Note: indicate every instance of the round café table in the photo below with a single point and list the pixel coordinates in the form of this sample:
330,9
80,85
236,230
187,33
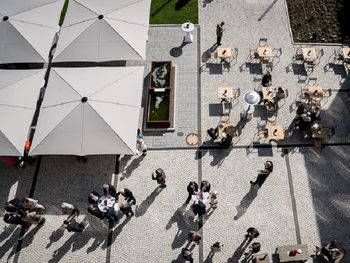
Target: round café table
105,202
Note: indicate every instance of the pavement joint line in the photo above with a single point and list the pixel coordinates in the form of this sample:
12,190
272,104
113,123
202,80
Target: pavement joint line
31,194
199,131
114,181
292,195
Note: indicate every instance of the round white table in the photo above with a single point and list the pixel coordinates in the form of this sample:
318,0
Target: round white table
203,196
105,202
188,27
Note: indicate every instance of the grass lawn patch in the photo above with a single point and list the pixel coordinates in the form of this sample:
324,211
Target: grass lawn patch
320,20
174,11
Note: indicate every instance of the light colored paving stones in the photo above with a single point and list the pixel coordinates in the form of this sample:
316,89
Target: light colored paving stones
161,224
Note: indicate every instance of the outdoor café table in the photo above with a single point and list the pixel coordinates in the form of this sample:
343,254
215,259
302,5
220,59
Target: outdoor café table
275,132
346,54
225,93
262,258
309,54
188,27
269,93
264,52
203,196
105,202
224,53
284,256
315,92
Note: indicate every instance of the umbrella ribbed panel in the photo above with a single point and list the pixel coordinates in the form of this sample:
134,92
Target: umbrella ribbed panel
19,91
116,30
35,25
98,115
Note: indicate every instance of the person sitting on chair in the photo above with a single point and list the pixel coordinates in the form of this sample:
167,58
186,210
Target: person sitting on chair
280,94
266,79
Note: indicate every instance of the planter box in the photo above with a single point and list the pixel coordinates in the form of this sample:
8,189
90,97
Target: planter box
160,95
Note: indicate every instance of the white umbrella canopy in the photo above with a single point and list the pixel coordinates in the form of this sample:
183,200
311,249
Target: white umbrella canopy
89,111
104,30
19,92
27,29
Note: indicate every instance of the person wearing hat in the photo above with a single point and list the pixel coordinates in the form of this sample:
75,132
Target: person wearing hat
159,176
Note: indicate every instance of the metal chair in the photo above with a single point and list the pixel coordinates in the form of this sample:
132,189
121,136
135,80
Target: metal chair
262,42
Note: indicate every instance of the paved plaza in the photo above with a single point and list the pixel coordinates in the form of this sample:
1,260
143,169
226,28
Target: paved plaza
304,201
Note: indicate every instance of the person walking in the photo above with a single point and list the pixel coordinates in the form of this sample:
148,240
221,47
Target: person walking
219,32
192,189
263,174
216,247
193,236
32,218
253,249
73,226
187,255
199,208
32,204
160,177
252,233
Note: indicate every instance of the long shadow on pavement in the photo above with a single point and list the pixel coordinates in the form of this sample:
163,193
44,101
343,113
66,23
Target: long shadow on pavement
246,202
142,208
184,225
239,251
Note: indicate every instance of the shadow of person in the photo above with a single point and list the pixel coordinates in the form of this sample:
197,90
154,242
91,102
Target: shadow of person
239,251
142,208
246,202
219,156
128,169
206,54
55,236
184,226
12,233
116,231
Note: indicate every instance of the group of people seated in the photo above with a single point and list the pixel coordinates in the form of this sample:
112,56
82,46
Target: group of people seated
110,212
330,252
24,212
307,115
279,92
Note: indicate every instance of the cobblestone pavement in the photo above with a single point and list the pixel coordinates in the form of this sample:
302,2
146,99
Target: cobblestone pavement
305,199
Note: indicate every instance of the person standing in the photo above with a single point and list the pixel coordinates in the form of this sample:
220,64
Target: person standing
140,143
263,174
187,255
192,189
253,249
213,199
252,233
160,177
216,247
219,32
193,236
128,195
205,186
109,189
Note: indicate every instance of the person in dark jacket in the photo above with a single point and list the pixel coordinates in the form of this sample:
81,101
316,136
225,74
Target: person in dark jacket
160,177
192,189
252,233
263,174
205,186
93,209
266,79
73,226
109,189
187,255
16,220
13,205
93,197
128,195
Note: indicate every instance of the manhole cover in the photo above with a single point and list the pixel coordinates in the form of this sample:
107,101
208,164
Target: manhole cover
192,139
